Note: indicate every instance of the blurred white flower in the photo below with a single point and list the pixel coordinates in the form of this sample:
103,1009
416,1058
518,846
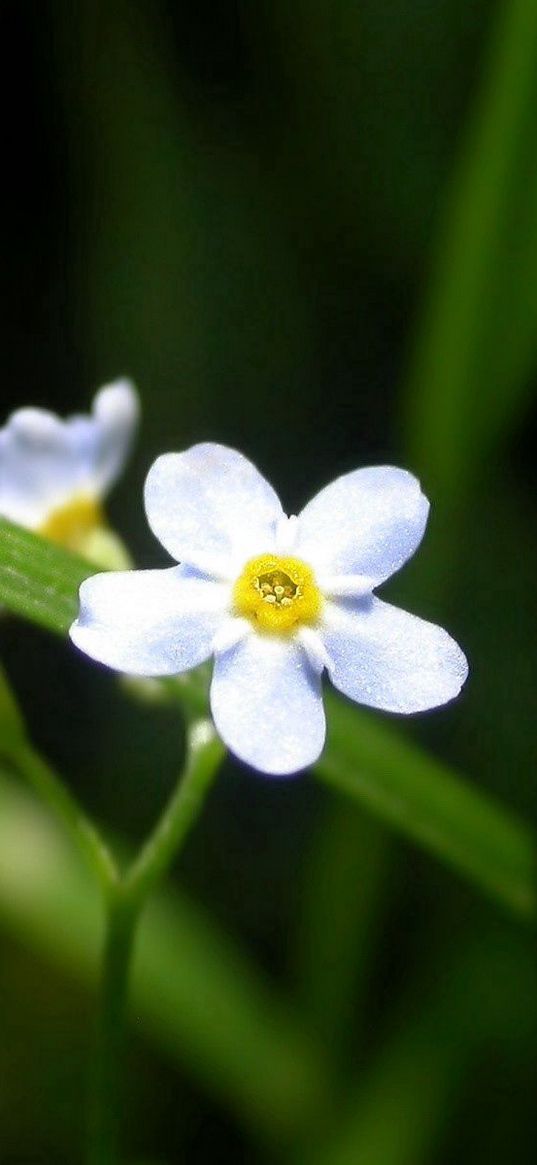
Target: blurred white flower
54,473
276,600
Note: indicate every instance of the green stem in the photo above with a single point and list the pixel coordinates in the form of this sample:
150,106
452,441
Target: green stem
56,795
106,1101
204,754
125,901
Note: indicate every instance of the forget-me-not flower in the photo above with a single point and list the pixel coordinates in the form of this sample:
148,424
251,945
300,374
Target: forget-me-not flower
54,473
276,600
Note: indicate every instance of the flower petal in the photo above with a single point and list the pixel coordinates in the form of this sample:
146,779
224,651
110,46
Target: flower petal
267,705
46,461
366,523
149,622
116,412
210,507
386,658
36,466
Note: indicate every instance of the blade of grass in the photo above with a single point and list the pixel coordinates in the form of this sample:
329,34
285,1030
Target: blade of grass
37,580
421,798
342,894
400,1109
477,338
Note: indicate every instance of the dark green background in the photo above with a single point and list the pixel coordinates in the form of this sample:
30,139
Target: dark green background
309,230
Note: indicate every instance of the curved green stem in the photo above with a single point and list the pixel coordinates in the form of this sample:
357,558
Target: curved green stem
204,754
56,795
125,900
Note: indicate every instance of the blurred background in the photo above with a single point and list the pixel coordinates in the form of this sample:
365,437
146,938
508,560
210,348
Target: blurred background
309,230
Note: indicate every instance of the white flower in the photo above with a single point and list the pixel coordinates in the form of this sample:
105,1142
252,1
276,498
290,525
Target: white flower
54,473
275,600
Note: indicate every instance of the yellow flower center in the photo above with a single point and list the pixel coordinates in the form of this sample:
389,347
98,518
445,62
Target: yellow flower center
71,523
277,594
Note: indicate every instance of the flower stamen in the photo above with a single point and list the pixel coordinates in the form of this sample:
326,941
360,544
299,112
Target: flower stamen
278,594
69,525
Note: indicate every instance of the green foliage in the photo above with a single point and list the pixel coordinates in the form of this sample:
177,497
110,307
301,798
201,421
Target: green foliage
343,892
422,798
397,1111
194,992
247,222
12,731
364,758
37,582
476,347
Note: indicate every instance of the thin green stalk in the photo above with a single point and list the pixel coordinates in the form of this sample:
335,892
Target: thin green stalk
125,901
106,1101
56,795
205,752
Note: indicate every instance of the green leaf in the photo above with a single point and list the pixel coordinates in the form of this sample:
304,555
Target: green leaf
38,580
365,757
420,797
343,891
173,259
477,342
12,729
401,1108
194,993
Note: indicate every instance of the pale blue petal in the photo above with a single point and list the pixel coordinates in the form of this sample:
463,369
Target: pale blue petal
366,523
100,442
116,413
36,466
386,658
149,622
267,705
211,508
45,461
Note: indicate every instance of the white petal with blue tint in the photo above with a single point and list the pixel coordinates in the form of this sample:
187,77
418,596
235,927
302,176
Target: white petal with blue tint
104,439
211,508
45,461
149,622
267,706
366,523
36,468
386,658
